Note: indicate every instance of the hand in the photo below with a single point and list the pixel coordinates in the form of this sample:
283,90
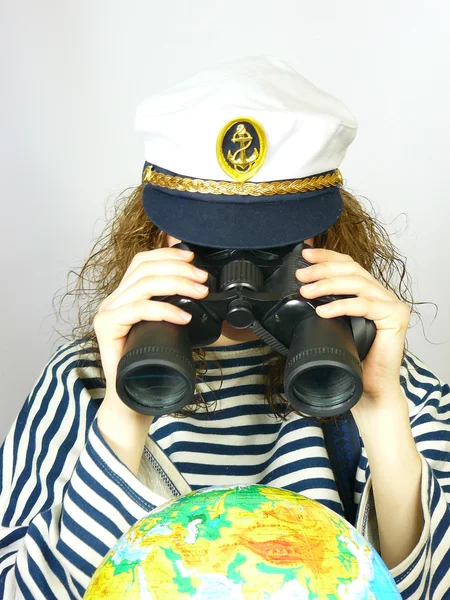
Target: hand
159,272
338,274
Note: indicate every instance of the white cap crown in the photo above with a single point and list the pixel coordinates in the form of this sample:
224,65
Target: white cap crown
307,131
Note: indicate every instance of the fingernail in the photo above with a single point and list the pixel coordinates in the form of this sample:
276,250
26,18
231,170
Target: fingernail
200,287
201,273
304,271
324,308
185,316
309,287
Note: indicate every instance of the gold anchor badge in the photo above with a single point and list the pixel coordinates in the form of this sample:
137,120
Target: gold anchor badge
239,159
243,162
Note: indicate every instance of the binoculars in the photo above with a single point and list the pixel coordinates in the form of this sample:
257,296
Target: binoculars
255,289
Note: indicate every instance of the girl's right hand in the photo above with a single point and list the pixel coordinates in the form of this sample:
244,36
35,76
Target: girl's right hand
159,272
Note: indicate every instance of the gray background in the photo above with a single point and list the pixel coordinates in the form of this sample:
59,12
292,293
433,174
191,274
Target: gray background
73,74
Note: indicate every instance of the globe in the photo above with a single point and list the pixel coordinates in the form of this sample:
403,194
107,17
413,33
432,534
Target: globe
242,542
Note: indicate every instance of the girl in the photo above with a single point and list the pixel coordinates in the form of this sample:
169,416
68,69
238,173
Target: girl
79,467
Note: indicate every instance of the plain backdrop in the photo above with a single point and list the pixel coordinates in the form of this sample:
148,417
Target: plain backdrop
73,73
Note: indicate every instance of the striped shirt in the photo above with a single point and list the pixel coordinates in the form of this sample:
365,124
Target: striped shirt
66,497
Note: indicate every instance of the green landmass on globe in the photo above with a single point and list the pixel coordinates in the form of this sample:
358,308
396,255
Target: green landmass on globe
242,542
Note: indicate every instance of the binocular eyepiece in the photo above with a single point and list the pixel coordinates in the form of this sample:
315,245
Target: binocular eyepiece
255,289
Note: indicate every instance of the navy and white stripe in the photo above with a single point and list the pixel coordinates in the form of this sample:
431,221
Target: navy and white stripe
66,497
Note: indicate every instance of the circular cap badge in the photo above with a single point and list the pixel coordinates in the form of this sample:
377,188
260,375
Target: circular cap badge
241,148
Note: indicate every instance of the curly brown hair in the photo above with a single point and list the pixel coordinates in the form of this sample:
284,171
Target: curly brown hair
357,233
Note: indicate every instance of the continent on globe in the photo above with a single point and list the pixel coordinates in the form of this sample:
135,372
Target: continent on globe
242,542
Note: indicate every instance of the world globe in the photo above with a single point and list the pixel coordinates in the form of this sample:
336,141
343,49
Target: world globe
242,542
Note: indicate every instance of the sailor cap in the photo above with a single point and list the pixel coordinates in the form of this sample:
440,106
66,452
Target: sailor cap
244,155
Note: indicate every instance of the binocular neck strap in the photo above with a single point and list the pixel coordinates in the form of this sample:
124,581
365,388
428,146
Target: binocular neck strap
267,337
343,444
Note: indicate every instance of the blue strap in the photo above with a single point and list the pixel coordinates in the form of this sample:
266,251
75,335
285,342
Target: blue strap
344,449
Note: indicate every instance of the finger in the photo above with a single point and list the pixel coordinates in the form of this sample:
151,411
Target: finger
392,315
330,269
148,287
161,268
114,324
351,285
158,254
323,254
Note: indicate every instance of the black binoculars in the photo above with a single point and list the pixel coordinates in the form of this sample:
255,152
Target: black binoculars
255,289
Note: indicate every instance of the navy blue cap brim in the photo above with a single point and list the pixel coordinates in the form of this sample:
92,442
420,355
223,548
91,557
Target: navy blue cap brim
242,222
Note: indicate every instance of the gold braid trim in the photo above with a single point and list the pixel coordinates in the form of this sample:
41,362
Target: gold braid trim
231,188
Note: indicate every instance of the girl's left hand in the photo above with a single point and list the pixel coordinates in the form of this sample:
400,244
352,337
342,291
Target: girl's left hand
338,274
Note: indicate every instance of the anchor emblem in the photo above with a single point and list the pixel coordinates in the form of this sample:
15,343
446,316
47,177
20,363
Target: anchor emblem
239,159
243,162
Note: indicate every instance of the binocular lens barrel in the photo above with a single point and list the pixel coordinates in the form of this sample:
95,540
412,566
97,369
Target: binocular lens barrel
156,379
158,382
323,374
334,385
